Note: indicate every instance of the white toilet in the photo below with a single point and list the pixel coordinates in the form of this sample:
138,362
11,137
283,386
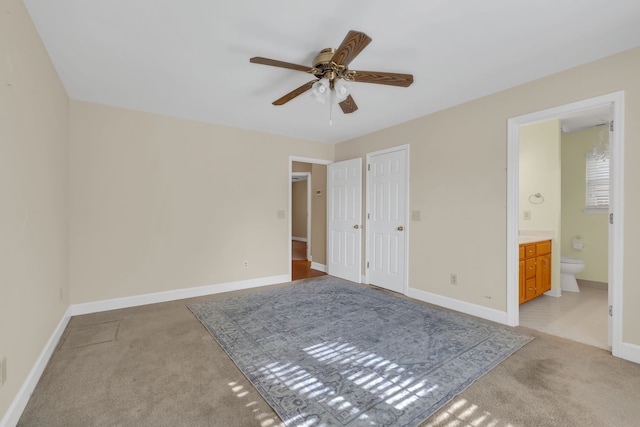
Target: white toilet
569,267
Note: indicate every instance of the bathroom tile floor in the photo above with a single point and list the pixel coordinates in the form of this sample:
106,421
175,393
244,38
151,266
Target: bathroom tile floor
578,316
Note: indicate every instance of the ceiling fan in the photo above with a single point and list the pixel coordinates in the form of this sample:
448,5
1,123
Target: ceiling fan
330,68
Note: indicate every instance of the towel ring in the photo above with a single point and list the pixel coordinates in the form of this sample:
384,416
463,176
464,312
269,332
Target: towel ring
536,199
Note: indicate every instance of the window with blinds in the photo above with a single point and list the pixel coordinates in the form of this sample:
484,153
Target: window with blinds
597,200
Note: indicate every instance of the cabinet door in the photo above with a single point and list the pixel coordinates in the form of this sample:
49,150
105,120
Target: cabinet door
543,273
530,289
522,281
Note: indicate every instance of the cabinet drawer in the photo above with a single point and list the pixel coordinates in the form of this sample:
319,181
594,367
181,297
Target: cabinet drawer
543,248
530,250
530,268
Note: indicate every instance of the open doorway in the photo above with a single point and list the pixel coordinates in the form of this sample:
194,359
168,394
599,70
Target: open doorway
555,204
307,213
301,216
515,215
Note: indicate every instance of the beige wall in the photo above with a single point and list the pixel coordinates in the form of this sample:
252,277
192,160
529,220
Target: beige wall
594,228
34,275
319,214
101,202
458,161
161,204
539,172
318,208
300,167
299,209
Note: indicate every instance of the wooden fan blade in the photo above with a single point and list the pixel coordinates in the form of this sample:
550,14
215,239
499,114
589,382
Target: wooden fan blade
351,46
348,105
299,91
281,64
393,79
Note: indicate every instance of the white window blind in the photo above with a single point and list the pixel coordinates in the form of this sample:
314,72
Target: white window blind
597,184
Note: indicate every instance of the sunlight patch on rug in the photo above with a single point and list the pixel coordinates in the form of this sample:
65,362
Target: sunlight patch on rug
329,353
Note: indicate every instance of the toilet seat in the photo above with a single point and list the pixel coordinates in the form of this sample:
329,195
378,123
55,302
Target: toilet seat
571,260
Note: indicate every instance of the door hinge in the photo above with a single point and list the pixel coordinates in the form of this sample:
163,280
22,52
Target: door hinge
611,126
367,264
369,167
610,311
368,216
610,218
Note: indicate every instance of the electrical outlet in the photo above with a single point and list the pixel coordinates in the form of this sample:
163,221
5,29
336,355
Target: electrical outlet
3,371
454,279
245,264
526,215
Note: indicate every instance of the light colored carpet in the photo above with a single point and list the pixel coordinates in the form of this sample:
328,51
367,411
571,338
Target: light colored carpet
164,369
329,353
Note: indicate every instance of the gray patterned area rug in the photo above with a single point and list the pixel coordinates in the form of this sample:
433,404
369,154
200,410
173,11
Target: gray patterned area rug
329,353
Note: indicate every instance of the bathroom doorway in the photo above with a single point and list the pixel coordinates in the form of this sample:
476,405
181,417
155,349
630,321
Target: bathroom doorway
613,103
554,156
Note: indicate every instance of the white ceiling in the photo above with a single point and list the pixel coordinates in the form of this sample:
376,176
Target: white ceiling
190,58
585,119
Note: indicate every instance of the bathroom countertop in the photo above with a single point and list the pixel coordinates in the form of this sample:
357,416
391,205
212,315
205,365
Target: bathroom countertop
531,239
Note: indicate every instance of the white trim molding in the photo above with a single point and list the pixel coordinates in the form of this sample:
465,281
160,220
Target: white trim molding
137,300
16,408
289,209
460,306
616,230
319,267
630,352
299,239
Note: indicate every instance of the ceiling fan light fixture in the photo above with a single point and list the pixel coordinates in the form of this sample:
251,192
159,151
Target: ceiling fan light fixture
342,89
320,90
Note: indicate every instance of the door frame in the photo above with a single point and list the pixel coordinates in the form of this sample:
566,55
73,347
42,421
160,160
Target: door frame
290,175
616,207
308,236
367,237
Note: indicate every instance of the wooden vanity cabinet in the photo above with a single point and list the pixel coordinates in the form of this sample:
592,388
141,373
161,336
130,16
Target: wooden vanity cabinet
535,269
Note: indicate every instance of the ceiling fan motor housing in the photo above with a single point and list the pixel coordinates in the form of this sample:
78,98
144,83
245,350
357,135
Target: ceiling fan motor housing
324,58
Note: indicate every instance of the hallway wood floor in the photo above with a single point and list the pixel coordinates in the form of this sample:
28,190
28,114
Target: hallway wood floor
300,267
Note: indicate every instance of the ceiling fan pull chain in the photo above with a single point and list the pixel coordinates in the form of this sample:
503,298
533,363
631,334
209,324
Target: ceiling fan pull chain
330,106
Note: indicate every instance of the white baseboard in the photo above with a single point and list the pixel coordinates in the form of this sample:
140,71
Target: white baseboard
630,352
461,306
319,267
20,401
299,239
114,304
16,408
555,292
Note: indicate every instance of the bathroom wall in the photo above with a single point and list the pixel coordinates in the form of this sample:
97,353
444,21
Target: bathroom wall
593,228
540,173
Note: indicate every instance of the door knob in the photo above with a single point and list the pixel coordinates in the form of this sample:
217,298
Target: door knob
356,226
400,228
